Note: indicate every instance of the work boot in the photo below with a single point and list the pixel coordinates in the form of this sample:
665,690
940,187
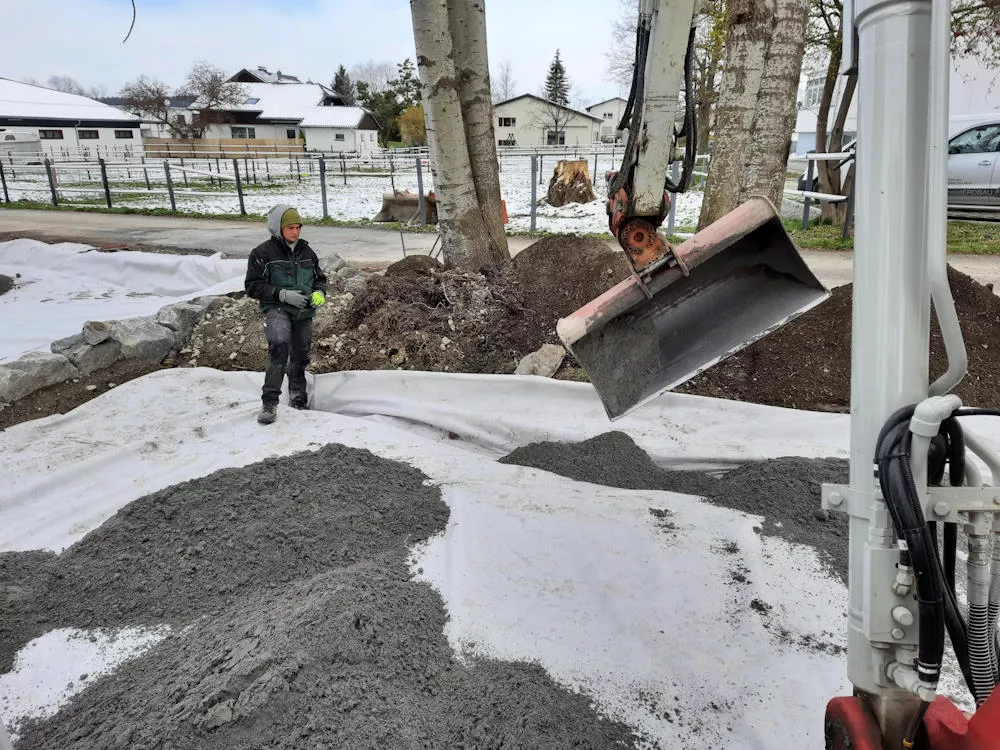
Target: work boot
298,400
267,414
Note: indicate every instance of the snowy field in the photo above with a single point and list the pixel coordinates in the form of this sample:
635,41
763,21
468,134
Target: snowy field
359,199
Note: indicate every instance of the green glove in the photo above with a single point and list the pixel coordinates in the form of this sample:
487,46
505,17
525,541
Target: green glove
317,299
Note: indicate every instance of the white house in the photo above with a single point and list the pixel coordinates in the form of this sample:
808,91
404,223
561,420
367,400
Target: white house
178,110
62,122
610,112
971,93
307,111
529,120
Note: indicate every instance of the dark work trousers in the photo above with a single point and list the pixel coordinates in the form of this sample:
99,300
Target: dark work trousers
288,345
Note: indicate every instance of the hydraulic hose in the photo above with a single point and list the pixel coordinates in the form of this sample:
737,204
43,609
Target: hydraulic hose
981,653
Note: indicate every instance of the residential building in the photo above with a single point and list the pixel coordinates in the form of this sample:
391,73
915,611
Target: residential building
63,122
972,92
178,111
610,113
529,120
260,74
306,112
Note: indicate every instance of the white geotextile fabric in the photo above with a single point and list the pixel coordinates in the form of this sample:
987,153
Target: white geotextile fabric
532,566
63,285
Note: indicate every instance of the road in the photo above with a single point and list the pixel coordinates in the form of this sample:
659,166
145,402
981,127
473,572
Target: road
372,247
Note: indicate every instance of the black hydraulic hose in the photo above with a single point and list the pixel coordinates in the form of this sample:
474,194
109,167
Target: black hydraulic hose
900,493
910,738
627,113
633,111
690,129
949,550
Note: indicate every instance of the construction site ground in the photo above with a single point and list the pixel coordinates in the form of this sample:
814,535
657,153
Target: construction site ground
273,585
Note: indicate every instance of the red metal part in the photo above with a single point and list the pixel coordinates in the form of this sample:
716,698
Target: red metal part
636,234
849,725
949,729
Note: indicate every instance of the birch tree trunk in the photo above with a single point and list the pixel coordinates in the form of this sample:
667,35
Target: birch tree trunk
468,33
465,239
756,111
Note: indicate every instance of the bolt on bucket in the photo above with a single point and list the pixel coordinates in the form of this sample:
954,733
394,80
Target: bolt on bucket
732,283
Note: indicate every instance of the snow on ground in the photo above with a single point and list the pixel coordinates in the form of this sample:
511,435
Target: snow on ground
361,197
58,287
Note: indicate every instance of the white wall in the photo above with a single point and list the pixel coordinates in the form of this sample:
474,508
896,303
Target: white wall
106,139
615,108
530,124
264,131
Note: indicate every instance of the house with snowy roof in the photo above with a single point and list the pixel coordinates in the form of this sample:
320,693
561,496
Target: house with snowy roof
529,120
296,111
62,122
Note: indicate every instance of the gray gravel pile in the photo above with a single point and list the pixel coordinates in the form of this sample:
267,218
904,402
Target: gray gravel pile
296,622
785,491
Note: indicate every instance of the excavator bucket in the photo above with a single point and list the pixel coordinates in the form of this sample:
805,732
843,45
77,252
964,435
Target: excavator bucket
732,283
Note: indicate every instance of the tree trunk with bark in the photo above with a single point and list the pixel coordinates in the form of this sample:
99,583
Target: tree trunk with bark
465,237
755,116
468,33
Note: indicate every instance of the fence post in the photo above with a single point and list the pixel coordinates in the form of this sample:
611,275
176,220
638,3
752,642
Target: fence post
52,181
170,186
534,188
594,180
239,185
253,164
540,167
322,186
3,182
104,181
184,172
145,172
420,193
298,169
675,176
849,216
805,204
343,167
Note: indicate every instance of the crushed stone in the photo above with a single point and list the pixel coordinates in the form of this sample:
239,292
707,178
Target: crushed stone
785,491
295,622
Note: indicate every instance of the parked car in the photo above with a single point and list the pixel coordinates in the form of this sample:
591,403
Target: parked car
973,162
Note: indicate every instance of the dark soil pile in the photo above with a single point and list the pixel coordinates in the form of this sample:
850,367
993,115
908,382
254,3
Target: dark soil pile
296,622
419,316
806,364
785,491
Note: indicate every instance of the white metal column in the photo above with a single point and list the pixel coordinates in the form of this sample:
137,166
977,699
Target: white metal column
891,317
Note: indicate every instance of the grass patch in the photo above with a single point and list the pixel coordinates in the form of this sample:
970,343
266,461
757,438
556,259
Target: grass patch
964,237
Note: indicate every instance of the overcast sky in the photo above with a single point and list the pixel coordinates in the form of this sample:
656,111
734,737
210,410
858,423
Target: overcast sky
306,38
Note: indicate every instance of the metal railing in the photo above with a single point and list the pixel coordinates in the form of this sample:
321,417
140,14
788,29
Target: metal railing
843,157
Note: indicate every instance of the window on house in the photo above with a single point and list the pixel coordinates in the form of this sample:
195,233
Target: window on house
814,92
239,131
123,134
50,135
508,141
555,139
88,135
8,138
338,137
253,100
508,122
608,115
290,133
180,119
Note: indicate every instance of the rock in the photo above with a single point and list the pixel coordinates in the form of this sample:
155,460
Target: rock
347,272
543,362
181,318
210,303
31,372
356,285
87,358
96,331
333,264
143,338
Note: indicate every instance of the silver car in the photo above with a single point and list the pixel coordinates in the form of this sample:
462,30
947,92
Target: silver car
973,174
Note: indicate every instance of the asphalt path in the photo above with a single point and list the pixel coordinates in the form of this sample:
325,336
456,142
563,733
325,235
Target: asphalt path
360,246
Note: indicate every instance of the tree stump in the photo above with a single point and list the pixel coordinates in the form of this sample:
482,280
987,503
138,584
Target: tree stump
570,183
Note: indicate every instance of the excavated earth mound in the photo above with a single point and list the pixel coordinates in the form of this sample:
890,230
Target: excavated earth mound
806,364
296,623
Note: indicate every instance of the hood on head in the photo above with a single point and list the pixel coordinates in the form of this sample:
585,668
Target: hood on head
274,220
